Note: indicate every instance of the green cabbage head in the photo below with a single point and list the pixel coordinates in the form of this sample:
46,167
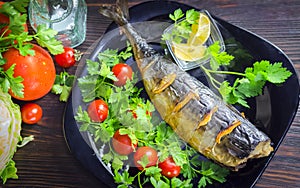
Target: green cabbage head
10,130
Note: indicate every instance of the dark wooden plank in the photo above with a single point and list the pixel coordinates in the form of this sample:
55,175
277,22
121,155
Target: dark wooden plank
47,162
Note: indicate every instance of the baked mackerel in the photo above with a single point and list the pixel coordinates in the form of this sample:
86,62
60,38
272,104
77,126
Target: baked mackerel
200,117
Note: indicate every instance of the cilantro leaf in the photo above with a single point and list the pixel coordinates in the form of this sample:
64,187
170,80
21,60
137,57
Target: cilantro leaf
218,58
87,85
211,171
13,10
45,37
176,182
83,118
20,5
176,15
277,74
63,85
250,88
159,183
123,178
8,81
192,16
16,24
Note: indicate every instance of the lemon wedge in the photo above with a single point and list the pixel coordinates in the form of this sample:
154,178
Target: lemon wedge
187,52
195,48
200,31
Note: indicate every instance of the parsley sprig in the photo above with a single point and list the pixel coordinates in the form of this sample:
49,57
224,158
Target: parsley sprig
147,130
249,83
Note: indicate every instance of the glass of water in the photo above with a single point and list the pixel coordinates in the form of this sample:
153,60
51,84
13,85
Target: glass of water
67,17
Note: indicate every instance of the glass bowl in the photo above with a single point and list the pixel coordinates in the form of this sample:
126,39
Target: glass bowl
215,35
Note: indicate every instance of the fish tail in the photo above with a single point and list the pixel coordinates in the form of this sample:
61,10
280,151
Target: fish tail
117,12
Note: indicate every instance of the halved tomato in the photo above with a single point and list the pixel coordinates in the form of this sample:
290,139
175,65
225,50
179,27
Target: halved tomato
38,71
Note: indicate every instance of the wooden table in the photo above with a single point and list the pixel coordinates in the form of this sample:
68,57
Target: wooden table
47,162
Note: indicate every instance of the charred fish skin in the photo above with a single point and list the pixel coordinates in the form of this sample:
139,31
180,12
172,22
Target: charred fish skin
200,117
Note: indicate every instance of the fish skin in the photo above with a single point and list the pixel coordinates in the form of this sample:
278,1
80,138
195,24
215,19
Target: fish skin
243,143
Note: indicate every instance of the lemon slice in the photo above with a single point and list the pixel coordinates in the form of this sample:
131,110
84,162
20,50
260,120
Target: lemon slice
187,52
200,31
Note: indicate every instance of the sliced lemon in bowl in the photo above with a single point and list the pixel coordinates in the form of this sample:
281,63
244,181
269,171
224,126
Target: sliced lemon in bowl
200,30
187,52
195,47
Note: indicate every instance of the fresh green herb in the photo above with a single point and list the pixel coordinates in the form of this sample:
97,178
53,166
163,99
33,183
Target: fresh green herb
250,83
182,25
63,85
123,102
16,11
210,172
8,81
14,36
45,37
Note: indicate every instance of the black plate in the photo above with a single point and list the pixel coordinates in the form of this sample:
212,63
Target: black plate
273,112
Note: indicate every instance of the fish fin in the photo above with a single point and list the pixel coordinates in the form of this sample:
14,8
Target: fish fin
118,12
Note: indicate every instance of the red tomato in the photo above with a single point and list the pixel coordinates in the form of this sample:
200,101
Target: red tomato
31,113
169,168
67,58
38,71
149,152
5,20
98,110
122,144
123,72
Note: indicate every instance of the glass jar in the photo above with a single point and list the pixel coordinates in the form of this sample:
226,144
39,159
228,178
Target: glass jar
214,36
67,17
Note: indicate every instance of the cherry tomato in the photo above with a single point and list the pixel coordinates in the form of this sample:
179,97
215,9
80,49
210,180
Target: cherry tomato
67,58
151,154
98,110
169,168
38,71
31,113
5,20
123,72
122,144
